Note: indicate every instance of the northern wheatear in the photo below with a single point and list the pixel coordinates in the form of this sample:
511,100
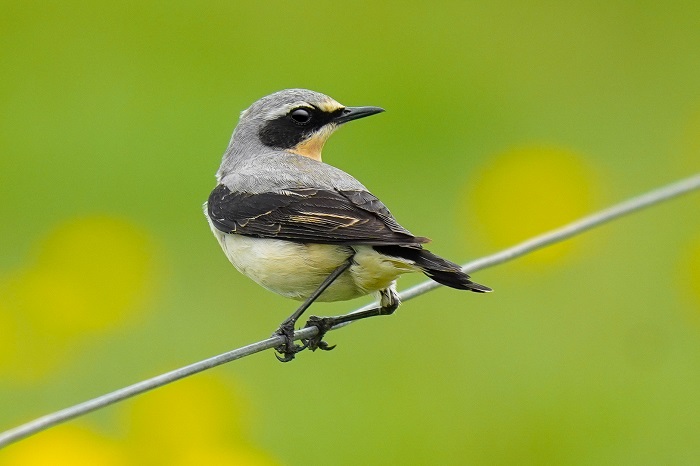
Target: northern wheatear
307,230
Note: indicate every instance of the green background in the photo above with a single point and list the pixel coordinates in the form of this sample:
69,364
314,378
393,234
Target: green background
121,111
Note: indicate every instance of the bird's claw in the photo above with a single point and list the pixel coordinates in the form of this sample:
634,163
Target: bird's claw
323,324
287,348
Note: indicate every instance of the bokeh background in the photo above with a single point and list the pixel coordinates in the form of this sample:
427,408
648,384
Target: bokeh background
504,119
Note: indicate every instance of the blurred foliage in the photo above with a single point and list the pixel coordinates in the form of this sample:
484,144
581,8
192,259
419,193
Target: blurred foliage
504,119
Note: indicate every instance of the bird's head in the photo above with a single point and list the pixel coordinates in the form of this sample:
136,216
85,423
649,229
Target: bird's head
299,121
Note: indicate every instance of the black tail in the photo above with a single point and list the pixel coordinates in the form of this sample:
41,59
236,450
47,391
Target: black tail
439,269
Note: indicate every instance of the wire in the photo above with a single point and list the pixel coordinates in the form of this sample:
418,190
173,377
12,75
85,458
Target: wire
575,228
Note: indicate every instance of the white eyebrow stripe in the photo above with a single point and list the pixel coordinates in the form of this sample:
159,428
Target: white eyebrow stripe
281,111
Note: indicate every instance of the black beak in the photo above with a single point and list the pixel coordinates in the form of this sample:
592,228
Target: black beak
353,113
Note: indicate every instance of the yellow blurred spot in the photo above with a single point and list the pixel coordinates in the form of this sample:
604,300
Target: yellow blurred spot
64,446
8,341
527,191
197,410
194,421
222,456
690,273
89,275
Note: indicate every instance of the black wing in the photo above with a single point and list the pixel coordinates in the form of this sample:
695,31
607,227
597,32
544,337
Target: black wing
309,215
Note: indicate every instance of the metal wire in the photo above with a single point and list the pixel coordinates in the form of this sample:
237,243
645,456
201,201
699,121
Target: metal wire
645,200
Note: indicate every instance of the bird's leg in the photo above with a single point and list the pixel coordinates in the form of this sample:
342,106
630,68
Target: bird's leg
388,303
286,329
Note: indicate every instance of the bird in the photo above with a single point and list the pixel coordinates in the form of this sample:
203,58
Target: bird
305,229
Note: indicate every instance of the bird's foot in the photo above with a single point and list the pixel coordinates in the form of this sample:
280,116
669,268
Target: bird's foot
323,324
287,348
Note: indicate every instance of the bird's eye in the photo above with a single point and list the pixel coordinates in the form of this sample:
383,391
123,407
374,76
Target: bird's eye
300,115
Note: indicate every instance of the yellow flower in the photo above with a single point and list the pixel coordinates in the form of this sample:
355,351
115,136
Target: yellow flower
690,274
8,341
525,192
90,274
64,446
199,420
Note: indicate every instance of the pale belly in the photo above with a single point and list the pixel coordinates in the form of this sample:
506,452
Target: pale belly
295,270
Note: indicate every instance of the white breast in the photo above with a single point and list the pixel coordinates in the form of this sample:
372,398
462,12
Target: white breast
295,270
